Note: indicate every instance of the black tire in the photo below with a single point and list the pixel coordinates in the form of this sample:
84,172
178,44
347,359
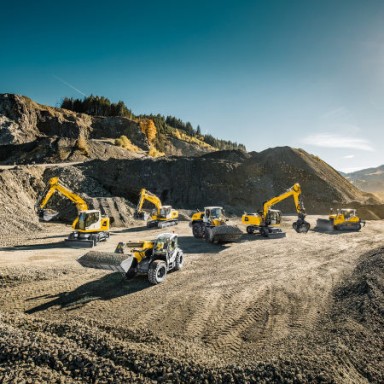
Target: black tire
198,230
157,272
264,231
250,230
179,261
208,235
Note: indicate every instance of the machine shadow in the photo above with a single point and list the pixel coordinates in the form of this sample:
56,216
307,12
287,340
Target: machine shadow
32,247
110,286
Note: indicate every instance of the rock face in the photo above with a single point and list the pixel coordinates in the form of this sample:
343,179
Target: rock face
233,179
31,132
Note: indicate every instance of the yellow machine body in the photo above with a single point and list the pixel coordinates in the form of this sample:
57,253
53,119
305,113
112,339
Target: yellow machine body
90,226
267,218
161,216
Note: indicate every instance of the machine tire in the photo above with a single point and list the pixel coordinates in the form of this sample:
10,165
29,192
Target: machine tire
250,230
179,261
208,235
157,272
198,230
264,231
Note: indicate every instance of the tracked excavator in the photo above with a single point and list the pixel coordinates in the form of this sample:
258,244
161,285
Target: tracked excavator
90,226
344,219
212,225
154,258
162,216
267,220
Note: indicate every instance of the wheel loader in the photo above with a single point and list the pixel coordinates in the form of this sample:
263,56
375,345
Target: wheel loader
344,219
154,258
267,220
90,226
162,216
212,225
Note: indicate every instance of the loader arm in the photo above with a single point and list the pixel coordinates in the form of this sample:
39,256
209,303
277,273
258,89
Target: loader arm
151,198
294,191
55,185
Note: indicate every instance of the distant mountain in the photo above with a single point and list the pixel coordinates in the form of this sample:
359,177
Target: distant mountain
368,180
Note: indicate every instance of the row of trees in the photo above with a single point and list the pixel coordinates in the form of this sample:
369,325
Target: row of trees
96,106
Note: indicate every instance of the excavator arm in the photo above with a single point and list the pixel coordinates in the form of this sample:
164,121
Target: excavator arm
55,185
151,198
294,191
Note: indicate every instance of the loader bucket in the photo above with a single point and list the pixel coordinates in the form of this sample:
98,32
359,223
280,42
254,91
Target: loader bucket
115,262
224,234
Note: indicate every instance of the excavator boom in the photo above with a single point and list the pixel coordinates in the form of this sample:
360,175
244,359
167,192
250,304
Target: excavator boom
163,216
262,221
53,186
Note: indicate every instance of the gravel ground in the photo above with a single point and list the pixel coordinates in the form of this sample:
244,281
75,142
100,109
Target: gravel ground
304,308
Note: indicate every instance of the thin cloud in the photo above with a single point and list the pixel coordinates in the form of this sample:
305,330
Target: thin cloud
331,140
69,85
348,156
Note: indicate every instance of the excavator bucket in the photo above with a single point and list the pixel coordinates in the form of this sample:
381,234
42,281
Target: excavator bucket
301,226
115,262
47,214
141,215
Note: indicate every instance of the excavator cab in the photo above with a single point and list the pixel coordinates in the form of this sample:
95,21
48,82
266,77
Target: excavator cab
273,217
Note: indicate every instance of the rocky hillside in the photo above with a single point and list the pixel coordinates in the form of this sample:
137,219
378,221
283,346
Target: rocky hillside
234,179
369,180
30,132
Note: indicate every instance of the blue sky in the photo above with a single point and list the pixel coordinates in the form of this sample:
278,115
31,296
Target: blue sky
307,74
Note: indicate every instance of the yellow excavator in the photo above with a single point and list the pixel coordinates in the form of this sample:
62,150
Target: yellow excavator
162,216
90,226
344,219
154,258
212,225
267,220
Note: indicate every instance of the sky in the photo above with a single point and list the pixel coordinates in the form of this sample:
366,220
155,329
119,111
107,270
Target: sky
304,73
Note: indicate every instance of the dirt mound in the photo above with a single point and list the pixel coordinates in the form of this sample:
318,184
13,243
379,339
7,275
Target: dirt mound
17,196
235,180
358,316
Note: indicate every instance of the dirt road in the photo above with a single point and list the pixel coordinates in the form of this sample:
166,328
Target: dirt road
259,310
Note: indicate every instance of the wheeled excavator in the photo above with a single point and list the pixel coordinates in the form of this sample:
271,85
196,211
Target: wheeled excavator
344,219
154,258
267,220
162,216
90,226
212,225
